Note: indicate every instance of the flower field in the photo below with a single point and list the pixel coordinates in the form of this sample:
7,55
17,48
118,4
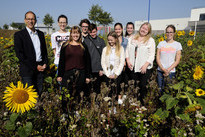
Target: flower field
179,112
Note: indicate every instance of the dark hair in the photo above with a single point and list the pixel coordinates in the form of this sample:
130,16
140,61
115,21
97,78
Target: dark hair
129,23
171,26
92,27
63,16
84,21
120,24
32,13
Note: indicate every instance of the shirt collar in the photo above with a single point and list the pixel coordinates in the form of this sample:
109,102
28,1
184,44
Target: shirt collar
30,31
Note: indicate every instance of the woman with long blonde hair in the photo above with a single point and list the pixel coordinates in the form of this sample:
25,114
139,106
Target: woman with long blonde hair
113,59
140,55
74,63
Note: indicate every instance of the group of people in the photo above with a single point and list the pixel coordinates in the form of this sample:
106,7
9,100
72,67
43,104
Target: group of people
81,55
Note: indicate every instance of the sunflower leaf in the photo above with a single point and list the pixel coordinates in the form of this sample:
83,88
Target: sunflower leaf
28,128
10,125
13,117
21,132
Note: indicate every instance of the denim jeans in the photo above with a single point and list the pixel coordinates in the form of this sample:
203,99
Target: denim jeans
160,79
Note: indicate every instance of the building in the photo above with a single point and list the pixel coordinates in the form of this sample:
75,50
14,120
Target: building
196,22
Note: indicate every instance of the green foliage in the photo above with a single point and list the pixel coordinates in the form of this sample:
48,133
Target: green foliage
98,16
5,26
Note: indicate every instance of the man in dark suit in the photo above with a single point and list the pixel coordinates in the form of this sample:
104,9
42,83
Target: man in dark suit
30,48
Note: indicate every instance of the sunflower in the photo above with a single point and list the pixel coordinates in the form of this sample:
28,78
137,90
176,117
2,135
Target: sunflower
189,43
183,32
165,36
198,73
20,99
161,39
191,33
199,92
179,33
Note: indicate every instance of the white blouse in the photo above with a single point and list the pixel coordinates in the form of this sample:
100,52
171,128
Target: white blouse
145,53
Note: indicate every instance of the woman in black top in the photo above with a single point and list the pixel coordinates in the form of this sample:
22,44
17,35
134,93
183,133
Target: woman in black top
74,63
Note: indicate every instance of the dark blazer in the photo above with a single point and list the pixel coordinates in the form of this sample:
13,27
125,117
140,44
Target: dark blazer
25,52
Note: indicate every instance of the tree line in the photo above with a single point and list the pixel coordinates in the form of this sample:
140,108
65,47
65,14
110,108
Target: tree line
96,14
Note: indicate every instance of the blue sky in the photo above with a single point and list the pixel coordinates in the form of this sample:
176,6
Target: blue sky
121,10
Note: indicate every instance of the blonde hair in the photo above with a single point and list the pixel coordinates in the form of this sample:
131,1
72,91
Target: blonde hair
117,44
74,29
148,34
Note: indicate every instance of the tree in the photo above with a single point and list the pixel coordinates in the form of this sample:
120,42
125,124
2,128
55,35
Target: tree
5,26
98,16
48,21
14,25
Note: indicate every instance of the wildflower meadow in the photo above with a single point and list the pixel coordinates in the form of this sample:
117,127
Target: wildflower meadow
179,112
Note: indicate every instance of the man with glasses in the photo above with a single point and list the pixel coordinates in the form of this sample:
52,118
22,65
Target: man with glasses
30,48
84,24
95,46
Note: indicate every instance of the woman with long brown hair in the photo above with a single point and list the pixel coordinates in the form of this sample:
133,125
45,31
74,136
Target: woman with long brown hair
74,63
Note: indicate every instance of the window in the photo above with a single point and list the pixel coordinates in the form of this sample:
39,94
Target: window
202,17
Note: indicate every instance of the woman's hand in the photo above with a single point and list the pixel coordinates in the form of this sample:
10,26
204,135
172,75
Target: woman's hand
87,80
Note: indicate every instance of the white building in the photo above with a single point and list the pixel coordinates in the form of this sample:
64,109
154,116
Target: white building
195,22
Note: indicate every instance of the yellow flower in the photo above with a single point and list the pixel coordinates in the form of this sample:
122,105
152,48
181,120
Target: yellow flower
165,36
183,32
199,92
179,33
189,42
161,39
2,37
20,99
191,33
52,66
198,73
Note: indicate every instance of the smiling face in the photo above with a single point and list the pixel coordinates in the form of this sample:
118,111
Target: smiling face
170,33
30,20
93,33
111,41
130,29
118,30
144,30
75,35
62,23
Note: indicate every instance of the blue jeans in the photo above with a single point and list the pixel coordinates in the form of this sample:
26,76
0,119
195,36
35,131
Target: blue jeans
36,80
160,79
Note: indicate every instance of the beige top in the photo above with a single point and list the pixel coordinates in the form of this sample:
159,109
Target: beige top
118,62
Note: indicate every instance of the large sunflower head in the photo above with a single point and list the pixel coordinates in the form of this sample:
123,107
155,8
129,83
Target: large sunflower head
20,99
199,92
198,73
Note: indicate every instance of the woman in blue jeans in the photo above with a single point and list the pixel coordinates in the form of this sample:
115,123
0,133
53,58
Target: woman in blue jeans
168,57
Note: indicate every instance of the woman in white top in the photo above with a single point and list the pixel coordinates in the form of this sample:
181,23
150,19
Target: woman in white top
113,59
168,57
140,55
